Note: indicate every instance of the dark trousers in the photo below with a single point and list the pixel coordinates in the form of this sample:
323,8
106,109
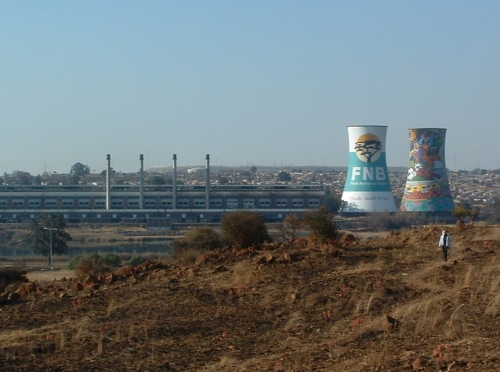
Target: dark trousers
445,253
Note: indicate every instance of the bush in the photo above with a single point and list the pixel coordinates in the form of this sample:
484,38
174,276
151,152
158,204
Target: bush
196,242
289,229
461,213
200,238
322,225
180,244
111,259
136,261
75,261
245,229
90,264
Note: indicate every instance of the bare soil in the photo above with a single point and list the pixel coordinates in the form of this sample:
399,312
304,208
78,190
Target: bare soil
377,303
49,275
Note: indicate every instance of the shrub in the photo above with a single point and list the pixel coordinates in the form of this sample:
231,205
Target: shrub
150,256
289,229
136,261
245,229
90,264
187,250
73,263
200,238
322,225
111,259
180,244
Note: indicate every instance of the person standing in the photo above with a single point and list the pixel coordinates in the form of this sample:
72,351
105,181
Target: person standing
445,244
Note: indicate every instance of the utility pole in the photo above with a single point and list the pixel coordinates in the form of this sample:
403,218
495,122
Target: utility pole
50,252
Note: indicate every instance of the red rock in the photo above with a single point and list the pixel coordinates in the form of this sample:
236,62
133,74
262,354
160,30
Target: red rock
110,278
389,323
26,289
76,286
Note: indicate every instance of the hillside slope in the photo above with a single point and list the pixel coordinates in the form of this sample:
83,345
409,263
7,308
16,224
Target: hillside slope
386,304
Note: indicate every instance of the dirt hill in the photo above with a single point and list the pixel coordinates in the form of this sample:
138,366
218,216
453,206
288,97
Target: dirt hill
375,304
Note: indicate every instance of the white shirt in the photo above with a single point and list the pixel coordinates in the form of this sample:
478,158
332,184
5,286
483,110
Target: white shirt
442,241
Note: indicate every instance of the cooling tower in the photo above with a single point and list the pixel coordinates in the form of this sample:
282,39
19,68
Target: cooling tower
427,188
367,187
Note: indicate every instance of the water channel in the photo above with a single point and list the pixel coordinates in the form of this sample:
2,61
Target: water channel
163,247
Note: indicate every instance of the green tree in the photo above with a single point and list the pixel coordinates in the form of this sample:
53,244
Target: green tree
23,178
461,212
343,205
245,229
284,176
79,169
332,203
46,229
222,180
119,180
111,172
245,173
322,225
72,179
157,180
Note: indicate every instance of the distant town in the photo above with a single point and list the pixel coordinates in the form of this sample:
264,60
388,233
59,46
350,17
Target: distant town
478,187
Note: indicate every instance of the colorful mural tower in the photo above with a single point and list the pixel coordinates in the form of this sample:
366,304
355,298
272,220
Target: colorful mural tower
427,188
367,187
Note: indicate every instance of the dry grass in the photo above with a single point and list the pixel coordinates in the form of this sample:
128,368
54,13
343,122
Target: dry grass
312,312
88,266
187,256
244,274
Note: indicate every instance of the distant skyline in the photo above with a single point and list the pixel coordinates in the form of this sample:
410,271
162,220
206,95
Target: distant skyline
259,83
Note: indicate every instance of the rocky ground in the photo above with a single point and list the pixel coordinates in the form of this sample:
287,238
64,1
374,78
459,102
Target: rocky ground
377,304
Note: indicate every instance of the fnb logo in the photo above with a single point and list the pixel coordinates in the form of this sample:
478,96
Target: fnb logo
368,148
368,173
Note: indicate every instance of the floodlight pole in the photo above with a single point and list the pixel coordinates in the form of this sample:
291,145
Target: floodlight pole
50,252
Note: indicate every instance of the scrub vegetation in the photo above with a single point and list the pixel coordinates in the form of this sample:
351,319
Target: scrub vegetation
358,301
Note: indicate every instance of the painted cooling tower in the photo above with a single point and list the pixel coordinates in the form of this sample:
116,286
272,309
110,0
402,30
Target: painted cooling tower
367,187
427,188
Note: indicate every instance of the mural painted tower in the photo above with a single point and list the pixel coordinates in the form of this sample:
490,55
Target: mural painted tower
427,188
367,187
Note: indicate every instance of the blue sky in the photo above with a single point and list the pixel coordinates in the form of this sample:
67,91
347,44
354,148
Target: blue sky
248,82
